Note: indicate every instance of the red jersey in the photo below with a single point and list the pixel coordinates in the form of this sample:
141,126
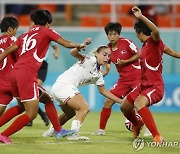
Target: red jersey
33,46
126,49
7,64
151,62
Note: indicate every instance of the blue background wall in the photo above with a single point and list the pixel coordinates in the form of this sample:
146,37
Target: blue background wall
171,71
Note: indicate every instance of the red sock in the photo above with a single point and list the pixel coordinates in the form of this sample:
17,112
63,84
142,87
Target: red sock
105,114
131,116
18,124
148,120
9,114
53,115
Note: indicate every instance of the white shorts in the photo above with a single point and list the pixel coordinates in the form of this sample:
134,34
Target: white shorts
63,92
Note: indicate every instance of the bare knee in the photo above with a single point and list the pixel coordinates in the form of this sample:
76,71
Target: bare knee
126,106
108,103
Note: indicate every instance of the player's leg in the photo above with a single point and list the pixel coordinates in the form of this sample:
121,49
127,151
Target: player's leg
67,114
104,116
150,96
42,74
31,108
11,113
127,108
79,104
53,115
43,116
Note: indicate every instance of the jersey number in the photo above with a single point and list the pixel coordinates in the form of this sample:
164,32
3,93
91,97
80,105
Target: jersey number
4,61
28,43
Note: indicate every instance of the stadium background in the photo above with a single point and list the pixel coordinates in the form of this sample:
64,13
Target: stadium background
170,33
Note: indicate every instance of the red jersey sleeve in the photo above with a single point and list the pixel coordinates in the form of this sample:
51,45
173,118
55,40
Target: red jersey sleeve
53,35
131,47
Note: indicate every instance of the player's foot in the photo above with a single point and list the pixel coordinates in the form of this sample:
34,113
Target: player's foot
158,139
137,128
49,133
5,139
62,133
76,136
30,124
147,132
99,132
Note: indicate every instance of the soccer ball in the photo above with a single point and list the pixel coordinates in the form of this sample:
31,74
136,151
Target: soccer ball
129,124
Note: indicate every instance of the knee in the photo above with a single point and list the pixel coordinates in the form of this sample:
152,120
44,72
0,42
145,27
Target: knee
126,107
123,109
108,103
85,109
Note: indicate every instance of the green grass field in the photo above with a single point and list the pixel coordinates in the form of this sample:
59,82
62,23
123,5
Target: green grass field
117,139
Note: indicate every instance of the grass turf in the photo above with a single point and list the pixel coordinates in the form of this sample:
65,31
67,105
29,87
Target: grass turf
117,139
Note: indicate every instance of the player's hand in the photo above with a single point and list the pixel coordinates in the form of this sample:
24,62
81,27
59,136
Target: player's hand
87,42
137,12
56,55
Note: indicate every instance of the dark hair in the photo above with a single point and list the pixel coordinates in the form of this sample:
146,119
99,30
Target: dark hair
101,47
113,26
7,22
41,17
140,26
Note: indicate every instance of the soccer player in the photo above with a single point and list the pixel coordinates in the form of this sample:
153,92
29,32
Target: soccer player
88,70
151,89
125,56
42,73
32,47
8,26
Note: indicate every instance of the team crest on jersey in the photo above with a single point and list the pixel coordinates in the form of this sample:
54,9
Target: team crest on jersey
123,52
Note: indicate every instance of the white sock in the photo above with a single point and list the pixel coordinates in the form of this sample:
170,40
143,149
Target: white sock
76,125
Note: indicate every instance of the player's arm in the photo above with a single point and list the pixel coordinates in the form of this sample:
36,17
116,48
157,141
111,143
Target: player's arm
167,50
56,51
76,51
69,44
106,69
8,51
138,14
108,94
130,60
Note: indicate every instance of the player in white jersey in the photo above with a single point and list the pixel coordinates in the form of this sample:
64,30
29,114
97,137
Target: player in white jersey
88,70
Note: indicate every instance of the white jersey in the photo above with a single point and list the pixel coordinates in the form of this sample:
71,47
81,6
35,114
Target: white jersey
82,73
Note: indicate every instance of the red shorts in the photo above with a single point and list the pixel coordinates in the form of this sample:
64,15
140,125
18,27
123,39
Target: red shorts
154,94
122,88
6,94
24,84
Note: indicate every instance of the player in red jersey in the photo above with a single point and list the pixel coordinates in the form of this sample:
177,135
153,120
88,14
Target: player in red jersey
151,89
9,26
32,47
124,54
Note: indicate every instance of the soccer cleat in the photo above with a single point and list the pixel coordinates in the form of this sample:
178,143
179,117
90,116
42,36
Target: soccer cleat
99,132
158,139
5,139
137,129
62,133
49,133
76,136
147,132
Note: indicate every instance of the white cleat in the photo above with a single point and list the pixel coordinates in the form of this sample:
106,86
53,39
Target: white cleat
49,133
76,137
147,133
99,132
